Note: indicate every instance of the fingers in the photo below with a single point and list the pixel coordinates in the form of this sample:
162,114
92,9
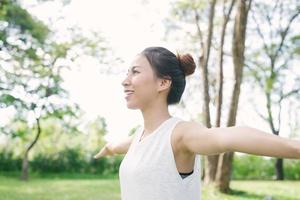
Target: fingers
107,150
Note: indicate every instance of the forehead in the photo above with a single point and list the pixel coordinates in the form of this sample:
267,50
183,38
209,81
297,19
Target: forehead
140,62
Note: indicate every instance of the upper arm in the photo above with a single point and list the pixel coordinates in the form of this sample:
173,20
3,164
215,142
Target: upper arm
198,139
209,141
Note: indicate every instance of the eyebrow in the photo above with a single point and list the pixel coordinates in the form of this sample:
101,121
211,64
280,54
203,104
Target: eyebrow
133,67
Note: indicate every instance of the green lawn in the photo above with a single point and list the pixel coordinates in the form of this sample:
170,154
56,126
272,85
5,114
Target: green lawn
91,188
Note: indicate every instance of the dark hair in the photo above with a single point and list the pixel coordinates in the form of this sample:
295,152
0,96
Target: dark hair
167,65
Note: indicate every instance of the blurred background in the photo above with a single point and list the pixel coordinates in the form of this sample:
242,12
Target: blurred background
61,99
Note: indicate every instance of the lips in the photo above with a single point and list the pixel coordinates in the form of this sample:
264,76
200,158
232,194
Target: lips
128,93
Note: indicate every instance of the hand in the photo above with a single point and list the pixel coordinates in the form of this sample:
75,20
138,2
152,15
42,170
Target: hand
107,150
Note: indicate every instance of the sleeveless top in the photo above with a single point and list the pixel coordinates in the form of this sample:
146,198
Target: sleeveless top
148,170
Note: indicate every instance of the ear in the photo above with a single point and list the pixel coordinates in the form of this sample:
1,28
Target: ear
164,84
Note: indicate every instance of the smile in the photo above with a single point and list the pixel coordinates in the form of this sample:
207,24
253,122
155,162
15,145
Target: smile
128,93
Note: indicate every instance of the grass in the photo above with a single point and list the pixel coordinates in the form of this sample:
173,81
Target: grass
91,187
257,190
48,188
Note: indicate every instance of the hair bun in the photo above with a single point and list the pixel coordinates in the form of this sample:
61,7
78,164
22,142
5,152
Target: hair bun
187,63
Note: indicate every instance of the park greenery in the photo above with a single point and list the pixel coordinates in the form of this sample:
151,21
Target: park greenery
47,136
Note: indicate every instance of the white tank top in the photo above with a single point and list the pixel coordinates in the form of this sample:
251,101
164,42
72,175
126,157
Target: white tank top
148,170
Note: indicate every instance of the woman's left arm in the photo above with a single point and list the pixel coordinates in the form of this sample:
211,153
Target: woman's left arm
241,139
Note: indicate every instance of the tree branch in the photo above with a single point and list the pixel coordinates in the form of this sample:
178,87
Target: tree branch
285,32
290,93
198,28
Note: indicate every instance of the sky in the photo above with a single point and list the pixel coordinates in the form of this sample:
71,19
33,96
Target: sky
128,27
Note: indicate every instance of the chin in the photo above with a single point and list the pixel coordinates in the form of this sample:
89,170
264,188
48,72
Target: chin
132,107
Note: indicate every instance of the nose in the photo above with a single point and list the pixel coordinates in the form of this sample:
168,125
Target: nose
126,81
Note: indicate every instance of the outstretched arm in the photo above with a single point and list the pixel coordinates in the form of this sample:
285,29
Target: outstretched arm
209,141
115,148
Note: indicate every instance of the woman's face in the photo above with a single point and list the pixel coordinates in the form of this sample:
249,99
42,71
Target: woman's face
140,84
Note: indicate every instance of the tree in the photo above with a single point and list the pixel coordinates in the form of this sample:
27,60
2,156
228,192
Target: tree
238,49
191,12
202,14
31,70
269,63
212,161
96,130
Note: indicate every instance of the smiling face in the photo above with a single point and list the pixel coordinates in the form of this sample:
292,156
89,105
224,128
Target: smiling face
141,86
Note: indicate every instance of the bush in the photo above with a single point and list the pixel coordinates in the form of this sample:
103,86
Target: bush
73,160
105,166
8,163
68,160
292,169
257,167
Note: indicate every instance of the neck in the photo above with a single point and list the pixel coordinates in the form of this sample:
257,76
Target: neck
154,115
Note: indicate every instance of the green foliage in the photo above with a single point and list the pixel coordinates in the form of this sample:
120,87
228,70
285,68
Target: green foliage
296,41
72,160
271,60
68,160
185,10
18,18
31,79
7,100
133,130
105,166
259,168
292,169
8,162
60,149
75,160
252,167
17,129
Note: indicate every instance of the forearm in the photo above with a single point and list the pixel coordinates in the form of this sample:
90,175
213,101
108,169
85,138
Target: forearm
116,148
253,141
111,149
120,147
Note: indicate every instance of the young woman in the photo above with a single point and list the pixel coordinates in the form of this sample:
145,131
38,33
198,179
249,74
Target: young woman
162,157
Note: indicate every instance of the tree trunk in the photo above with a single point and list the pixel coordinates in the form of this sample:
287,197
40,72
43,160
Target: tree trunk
210,161
25,164
238,47
24,175
213,161
226,17
223,176
279,169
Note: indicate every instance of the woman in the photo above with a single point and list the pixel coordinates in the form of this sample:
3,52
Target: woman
162,157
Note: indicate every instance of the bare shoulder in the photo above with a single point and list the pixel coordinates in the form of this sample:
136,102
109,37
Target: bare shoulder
185,129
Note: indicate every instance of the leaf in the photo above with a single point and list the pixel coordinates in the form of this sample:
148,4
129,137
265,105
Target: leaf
7,100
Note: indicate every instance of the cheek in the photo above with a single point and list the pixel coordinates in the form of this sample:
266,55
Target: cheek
145,87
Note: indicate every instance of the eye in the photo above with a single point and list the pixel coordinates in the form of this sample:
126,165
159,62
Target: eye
135,72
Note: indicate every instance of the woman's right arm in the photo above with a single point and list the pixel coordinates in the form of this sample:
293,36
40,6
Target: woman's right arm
211,141
113,148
